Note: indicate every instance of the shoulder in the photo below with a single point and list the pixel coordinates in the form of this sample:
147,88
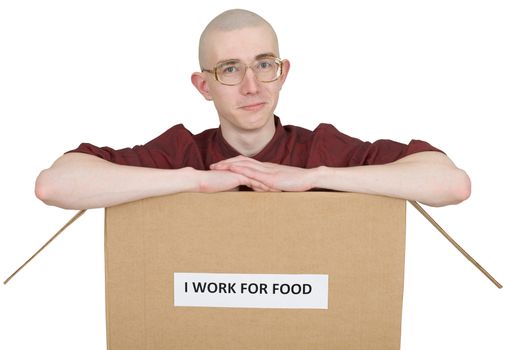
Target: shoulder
176,130
321,129
325,129
177,134
323,133
297,131
206,135
326,132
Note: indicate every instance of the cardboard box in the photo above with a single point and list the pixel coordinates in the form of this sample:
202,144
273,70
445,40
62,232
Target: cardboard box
255,260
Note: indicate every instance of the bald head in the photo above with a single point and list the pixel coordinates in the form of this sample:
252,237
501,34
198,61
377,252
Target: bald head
229,21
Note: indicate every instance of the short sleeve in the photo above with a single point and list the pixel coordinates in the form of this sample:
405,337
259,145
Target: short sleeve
331,147
174,149
387,151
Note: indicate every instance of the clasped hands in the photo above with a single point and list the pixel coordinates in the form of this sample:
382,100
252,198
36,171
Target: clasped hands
259,176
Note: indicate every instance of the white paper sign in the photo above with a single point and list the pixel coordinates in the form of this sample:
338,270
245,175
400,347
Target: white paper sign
251,290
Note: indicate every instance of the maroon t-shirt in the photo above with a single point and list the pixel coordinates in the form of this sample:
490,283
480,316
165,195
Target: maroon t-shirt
291,145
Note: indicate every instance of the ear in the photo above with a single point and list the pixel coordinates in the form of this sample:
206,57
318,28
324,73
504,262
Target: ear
200,83
286,69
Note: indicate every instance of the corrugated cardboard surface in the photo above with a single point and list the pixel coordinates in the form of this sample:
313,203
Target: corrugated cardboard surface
358,240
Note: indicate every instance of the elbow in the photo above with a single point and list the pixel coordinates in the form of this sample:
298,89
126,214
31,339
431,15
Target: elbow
463,187
455,191
61,184
43,187
459,187
46,189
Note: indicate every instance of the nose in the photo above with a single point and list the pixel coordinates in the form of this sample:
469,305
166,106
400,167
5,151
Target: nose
249,84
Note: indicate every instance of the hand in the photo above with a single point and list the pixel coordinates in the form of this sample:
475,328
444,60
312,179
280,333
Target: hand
223,180
272,176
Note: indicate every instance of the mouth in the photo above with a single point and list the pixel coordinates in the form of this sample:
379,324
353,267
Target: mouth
253,107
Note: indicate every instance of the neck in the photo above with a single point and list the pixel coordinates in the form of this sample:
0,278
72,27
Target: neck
249,142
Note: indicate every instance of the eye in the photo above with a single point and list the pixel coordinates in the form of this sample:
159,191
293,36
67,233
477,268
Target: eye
265,65
229,68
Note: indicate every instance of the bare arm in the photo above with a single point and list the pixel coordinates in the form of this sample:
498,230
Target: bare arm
428,177
82,181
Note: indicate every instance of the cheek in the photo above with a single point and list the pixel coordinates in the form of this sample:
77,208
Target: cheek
224,99
274,95
225,95
273,91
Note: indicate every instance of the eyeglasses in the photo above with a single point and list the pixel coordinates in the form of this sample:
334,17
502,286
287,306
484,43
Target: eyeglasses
232,72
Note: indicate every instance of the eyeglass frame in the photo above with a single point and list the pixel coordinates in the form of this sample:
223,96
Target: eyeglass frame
214,71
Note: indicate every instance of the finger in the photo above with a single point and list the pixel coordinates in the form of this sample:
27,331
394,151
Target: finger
258,186
252,173
255,185
223,166
251,168
239,159
263,188
225,161
219,166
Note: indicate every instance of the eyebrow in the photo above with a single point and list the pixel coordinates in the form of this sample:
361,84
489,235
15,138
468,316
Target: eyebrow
263,55
257,57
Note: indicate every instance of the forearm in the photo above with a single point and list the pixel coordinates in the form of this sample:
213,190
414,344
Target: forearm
80,181
428,178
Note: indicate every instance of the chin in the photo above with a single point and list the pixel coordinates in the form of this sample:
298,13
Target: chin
253,121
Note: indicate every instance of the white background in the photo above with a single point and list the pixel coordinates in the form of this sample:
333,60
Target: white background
117,73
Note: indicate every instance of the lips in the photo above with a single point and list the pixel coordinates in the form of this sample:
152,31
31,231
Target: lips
253,106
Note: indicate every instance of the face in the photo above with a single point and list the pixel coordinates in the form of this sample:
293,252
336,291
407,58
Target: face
249,105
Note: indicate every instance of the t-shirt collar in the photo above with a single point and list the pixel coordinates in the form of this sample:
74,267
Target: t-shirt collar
228,151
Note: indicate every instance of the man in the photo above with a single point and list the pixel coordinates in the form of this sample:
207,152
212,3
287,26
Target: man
242,74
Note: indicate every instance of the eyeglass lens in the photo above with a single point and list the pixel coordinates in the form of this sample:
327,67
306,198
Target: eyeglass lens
233,72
